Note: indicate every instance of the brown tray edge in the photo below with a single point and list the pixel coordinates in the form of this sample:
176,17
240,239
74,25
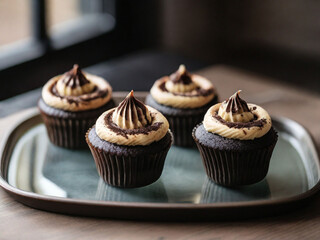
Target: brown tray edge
153,211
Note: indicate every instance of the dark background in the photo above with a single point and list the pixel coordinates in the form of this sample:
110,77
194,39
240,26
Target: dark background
150,38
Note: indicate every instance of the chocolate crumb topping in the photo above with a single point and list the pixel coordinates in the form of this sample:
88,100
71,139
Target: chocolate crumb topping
74,78
125,132
254,123
181,76
236,105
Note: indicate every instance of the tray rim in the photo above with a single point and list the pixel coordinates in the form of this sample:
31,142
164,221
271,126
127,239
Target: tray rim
55,204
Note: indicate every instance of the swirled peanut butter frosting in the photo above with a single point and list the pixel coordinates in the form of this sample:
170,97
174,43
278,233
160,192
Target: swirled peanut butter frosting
235,110
236,119
132,123
131,113
76,91
183,90
180,81
74,83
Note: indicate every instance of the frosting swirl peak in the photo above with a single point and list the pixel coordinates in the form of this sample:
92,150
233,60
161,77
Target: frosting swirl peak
182,89
235,109
132,123
76,91
236,119
181,76
74,83
181,81
131,114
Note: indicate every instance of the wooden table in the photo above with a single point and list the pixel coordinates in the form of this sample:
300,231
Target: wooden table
21,222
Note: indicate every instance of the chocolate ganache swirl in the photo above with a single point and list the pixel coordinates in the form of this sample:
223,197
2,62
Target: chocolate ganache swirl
235,109
180,81
131,113
183,90
234,118
74,83
132,123
76,91
181,76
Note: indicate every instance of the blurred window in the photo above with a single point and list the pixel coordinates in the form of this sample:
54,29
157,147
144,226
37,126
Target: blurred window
71,21
62,11
15,23
49,25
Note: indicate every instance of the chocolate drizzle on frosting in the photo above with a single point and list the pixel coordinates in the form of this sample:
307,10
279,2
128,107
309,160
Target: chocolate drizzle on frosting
74,78
254,123
181,76
181,82
183,90
85,99
76,91
196,93
131,114
235,109
125,132
132,123
236,119
74,83
236,105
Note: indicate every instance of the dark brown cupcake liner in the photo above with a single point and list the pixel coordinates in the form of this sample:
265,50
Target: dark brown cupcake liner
182,121
235,168
67,133
181,127
124,171
68,129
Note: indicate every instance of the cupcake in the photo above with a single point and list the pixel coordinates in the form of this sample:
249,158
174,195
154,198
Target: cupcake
183,98
236,141
129,144
70,105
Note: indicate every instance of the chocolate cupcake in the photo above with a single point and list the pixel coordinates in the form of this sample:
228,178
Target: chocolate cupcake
70,105
236,141
129,144
183,98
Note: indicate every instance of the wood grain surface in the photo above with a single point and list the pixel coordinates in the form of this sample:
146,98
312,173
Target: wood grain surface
21,222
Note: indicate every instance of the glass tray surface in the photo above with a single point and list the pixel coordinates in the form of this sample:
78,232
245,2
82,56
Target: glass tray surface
47,177
38,166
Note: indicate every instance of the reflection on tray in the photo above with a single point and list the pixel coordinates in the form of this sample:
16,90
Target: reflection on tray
212,192
26,166
38,166
152,193
73,171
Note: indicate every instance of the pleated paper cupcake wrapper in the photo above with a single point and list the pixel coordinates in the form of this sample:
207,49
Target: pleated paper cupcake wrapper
181,127
234,168
67,133
128,171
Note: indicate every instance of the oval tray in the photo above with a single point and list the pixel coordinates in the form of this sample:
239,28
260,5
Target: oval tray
43,176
